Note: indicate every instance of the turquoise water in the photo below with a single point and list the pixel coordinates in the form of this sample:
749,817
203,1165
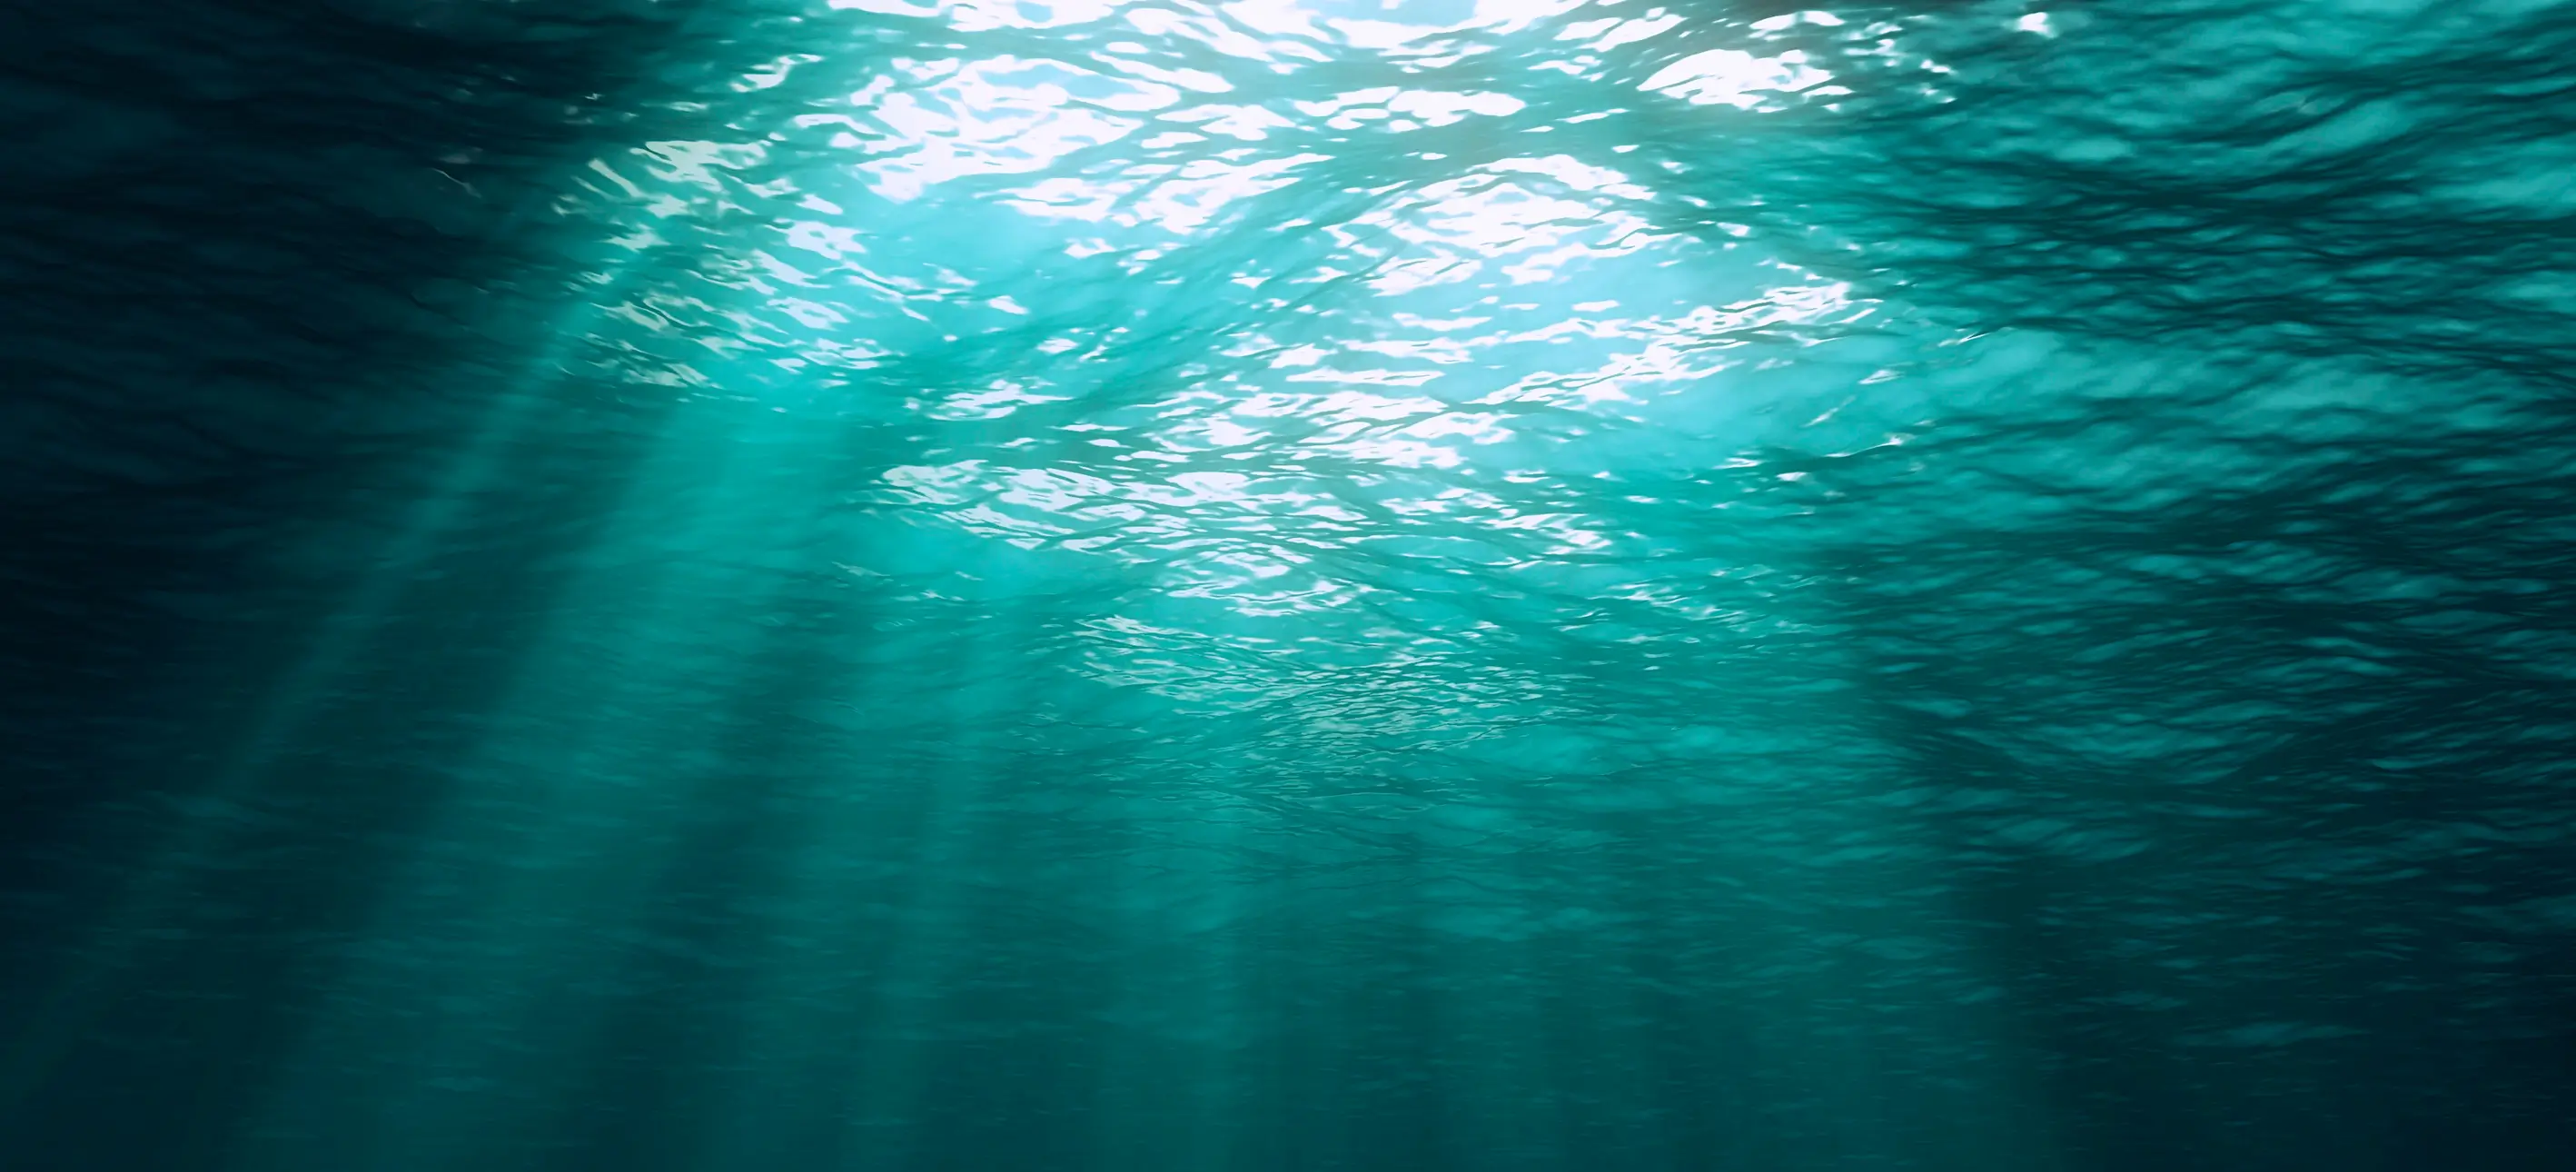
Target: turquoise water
1294,584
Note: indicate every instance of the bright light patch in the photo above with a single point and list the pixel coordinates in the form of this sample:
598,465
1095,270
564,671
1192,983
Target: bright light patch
1001,116
1733,77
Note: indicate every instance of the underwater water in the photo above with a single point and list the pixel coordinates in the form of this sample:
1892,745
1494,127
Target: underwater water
1288,584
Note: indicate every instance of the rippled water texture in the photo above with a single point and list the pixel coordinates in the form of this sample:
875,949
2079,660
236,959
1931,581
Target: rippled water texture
1290,584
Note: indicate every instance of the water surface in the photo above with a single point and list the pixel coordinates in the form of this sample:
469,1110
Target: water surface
1517,584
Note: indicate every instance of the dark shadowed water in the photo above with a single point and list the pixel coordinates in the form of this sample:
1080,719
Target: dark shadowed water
1446,586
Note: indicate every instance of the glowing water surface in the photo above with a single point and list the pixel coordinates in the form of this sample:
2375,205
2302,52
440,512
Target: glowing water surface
1502,584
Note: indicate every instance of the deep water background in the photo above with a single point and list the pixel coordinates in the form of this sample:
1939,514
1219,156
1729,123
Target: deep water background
609,584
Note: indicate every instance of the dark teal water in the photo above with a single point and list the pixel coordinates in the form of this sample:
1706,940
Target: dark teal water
1295,584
